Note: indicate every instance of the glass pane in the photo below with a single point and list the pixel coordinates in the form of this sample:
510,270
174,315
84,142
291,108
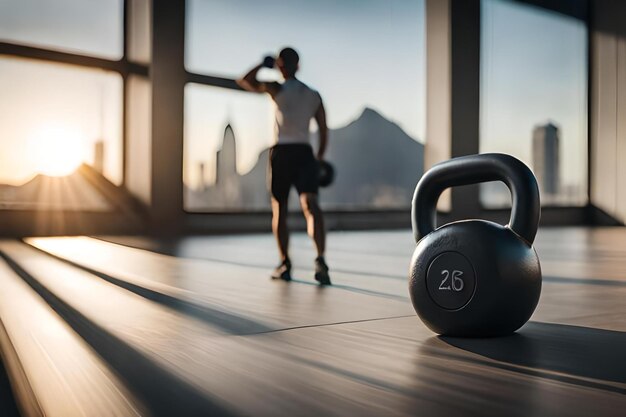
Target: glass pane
534,98
91,27
372,85
53,118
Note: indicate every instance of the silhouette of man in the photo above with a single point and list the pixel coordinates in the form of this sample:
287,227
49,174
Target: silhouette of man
292,162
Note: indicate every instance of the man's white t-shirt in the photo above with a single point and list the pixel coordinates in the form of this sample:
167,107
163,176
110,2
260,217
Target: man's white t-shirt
296,103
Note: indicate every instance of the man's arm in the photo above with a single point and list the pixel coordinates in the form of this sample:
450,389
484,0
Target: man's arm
320,118
249,82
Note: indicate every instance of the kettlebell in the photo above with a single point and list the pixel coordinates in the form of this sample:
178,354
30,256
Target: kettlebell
326,173
475,278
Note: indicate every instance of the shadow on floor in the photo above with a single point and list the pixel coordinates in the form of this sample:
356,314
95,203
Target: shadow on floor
226,321
180,248
162,391
8,408
556,351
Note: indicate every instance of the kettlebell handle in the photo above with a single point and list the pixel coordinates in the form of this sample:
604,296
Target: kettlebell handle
472,169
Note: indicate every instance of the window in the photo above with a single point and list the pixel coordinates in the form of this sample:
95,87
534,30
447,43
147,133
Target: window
366,58
53,118
534,98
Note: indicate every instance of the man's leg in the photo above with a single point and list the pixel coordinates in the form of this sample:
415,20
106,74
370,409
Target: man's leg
315,228
279,227
279,187
314,221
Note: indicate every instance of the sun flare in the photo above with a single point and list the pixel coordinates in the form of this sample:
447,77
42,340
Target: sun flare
57,150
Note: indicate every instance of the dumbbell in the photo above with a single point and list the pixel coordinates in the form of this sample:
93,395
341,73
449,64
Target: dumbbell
269,61
475,278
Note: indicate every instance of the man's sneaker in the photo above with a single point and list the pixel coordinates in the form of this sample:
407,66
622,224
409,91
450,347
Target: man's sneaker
283,271
321,272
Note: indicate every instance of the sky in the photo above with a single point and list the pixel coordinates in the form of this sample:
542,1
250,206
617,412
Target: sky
357,53
354,52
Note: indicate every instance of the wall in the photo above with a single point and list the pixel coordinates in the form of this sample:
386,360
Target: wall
608,107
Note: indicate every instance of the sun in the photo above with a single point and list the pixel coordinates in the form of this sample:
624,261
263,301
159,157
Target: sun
56,150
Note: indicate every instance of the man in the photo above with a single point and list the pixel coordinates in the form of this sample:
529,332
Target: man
291,159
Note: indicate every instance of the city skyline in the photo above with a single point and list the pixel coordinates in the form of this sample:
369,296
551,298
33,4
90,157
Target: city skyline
384,176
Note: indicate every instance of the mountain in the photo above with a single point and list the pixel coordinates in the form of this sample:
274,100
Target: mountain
377,165
71,192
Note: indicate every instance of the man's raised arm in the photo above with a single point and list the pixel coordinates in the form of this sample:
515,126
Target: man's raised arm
249,82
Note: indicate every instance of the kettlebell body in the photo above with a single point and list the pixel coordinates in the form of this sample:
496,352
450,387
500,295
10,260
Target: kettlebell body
476,278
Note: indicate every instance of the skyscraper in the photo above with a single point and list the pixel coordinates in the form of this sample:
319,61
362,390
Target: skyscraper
227,157
227,183
546,158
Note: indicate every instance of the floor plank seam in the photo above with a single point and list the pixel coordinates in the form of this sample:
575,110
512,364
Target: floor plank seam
308,326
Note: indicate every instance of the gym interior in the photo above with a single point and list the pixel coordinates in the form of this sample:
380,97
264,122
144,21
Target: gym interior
136,223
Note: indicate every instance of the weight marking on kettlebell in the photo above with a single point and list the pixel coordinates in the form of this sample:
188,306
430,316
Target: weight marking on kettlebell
455,279
451,280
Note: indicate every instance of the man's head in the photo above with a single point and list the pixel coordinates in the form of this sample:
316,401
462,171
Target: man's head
287,62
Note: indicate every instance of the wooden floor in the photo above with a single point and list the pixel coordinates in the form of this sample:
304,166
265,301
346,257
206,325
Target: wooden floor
132,326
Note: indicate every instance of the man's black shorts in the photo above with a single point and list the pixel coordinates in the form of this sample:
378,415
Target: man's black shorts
292,165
